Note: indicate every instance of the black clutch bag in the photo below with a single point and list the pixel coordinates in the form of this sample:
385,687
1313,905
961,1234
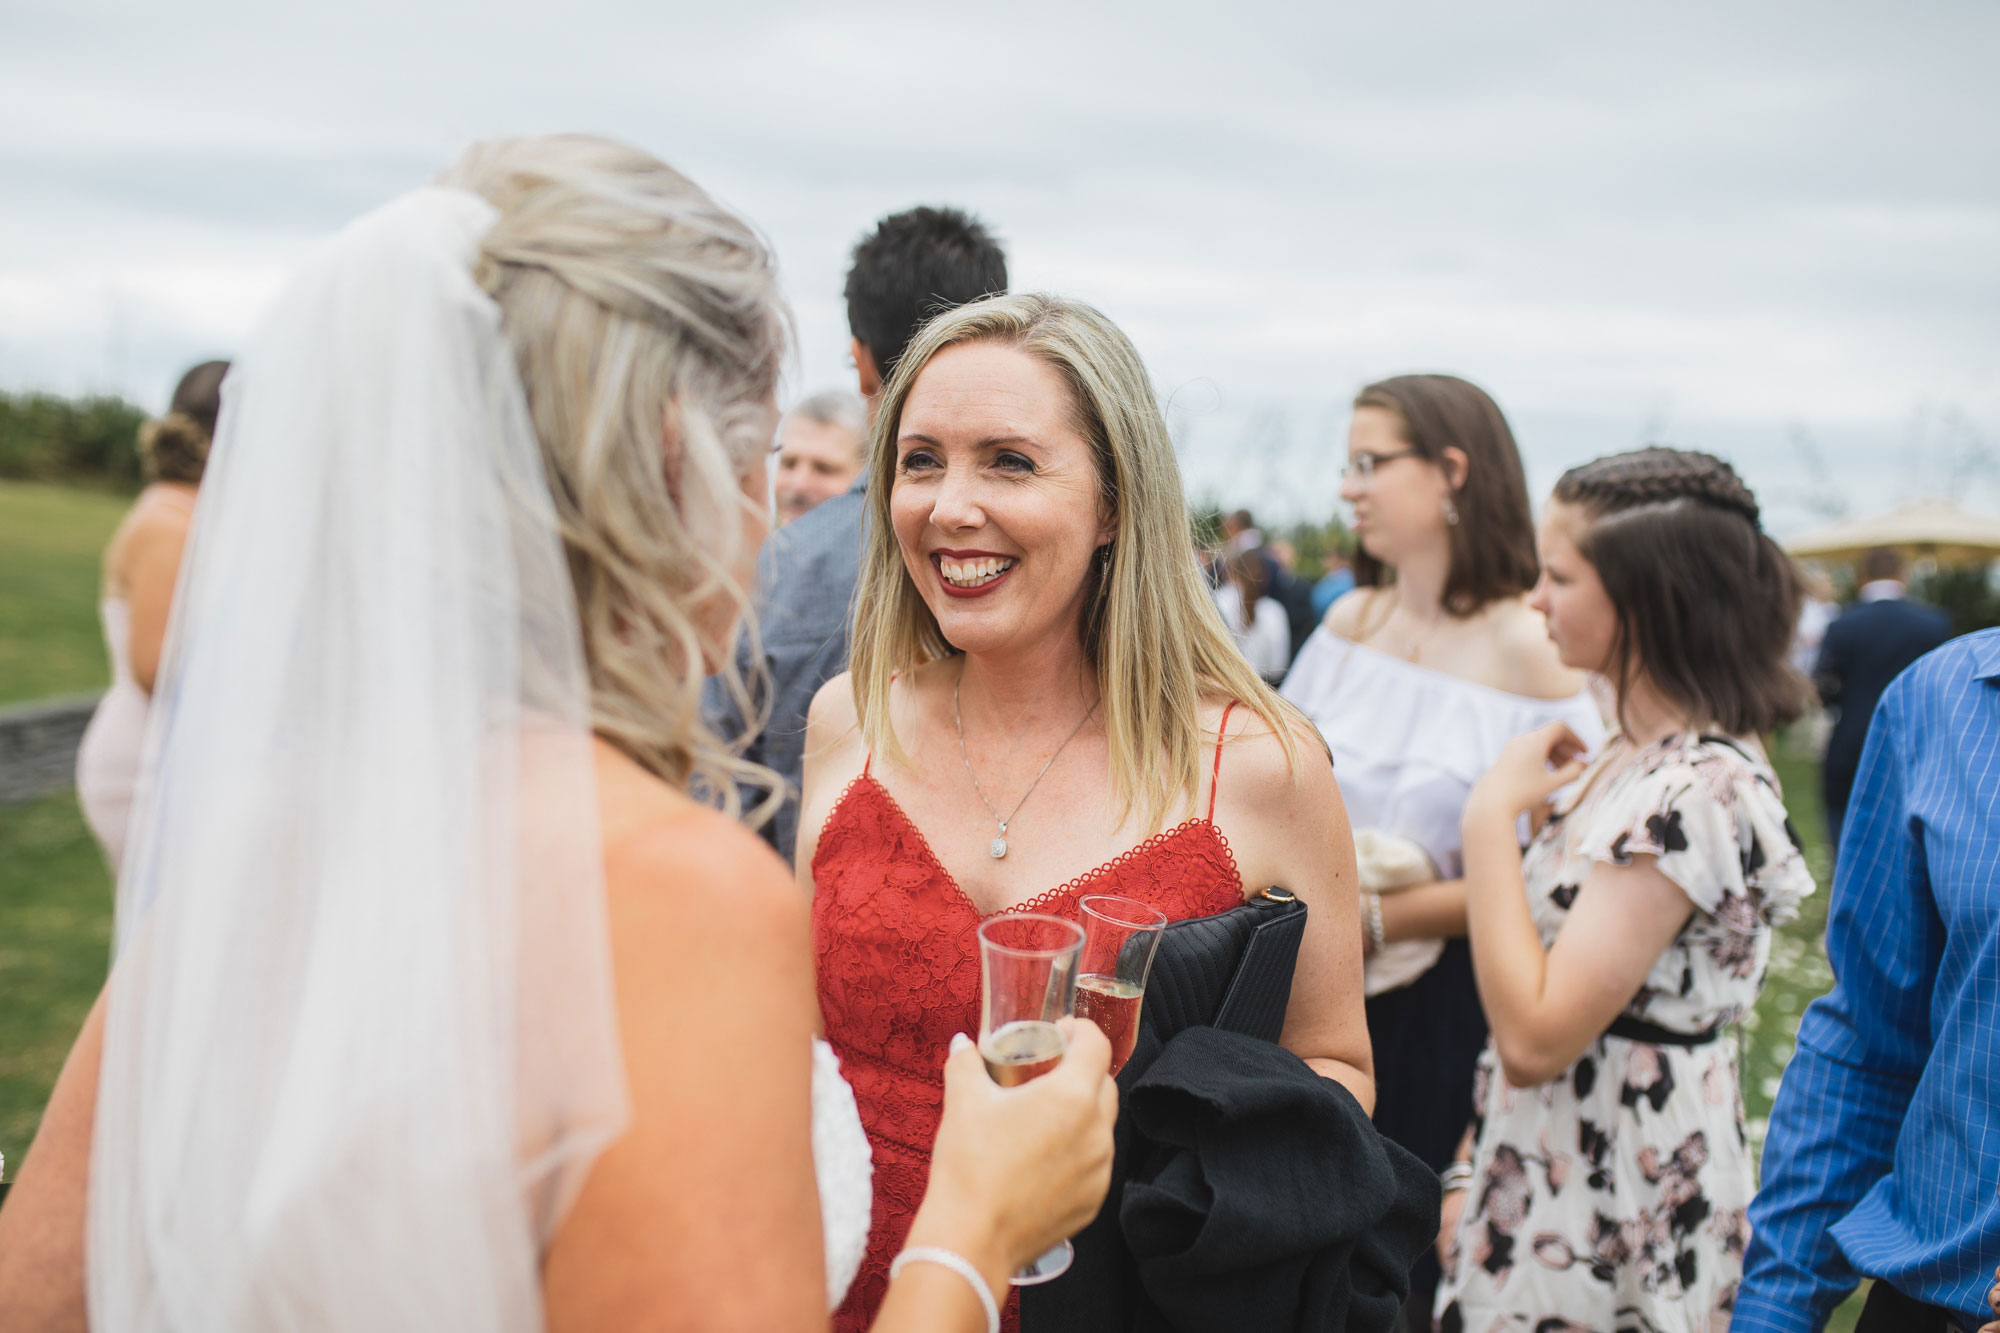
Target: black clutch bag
1232,971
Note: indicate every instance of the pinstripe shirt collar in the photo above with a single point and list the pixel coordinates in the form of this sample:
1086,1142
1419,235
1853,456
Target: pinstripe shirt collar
1985,656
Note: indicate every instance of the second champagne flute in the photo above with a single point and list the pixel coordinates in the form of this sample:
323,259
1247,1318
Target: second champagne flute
1027,975
1120,937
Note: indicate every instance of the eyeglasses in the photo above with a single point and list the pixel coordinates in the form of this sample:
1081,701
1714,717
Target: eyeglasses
1360,469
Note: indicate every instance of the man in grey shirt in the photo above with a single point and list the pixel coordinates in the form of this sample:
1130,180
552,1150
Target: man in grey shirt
912,266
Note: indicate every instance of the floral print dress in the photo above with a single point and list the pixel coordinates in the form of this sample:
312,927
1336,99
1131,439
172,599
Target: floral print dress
1614,1196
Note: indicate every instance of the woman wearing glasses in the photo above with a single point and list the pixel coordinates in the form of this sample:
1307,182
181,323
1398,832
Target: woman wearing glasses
1417,679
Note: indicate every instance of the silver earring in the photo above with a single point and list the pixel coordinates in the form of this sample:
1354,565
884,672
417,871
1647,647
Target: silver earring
1104,556
1450,512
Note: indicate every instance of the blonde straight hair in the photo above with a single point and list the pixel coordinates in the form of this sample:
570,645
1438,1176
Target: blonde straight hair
1150,629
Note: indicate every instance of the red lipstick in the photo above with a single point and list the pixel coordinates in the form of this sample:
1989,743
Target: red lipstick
953,590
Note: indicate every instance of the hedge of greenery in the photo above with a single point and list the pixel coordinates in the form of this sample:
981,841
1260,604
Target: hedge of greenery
83,441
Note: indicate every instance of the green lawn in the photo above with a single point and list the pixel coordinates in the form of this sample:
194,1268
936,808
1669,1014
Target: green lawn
55,942
55,891
1799,972
51,540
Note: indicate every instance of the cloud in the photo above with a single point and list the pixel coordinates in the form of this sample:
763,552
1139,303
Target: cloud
1761,216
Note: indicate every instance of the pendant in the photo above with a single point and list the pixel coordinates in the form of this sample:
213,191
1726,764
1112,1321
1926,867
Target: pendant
997,848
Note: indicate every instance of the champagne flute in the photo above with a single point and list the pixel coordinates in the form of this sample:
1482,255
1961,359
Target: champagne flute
1120,937
1027,968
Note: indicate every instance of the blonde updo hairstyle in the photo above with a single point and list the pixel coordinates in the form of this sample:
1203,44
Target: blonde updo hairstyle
1150,628
648,330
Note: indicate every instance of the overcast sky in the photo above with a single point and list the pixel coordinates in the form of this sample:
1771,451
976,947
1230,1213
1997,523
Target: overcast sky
1775,234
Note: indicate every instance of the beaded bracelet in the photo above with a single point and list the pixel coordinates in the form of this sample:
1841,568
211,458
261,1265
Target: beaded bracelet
1373,902
957,1263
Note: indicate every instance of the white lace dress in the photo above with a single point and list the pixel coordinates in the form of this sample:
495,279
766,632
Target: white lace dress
845,1170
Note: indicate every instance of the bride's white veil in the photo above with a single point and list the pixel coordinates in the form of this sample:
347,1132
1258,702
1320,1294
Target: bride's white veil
360,1046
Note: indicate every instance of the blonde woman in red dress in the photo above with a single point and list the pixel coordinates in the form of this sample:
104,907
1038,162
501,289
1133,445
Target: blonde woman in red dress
1042,703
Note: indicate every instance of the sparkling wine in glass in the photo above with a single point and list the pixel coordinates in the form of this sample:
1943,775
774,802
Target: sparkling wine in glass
1120,937
1022,1050
1027,973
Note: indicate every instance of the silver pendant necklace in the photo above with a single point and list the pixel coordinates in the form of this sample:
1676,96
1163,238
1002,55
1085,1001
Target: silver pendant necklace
998,847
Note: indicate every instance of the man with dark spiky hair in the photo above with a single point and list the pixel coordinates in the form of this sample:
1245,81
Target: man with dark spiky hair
912,266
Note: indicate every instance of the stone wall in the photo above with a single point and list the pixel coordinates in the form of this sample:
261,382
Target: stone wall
38,745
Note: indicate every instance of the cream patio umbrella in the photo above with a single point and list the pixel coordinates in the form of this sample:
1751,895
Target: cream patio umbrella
1936,529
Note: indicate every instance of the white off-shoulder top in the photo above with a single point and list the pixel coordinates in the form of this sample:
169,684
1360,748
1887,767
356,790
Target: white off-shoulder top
1408,741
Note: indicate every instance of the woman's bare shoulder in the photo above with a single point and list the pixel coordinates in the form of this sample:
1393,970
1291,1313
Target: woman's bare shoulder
160,510
1347,615
1526,662
690,880
690,844
832,710
833,723
1255,764
153,524
1285,822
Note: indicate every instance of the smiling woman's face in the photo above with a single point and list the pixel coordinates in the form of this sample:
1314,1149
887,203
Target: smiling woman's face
995,498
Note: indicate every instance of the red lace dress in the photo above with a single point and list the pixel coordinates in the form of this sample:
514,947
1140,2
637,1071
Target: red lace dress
898,955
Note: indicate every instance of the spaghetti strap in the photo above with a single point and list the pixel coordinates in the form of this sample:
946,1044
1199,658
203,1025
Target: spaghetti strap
1215,779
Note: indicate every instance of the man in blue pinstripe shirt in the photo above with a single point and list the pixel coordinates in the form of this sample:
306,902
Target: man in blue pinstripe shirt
1884,1150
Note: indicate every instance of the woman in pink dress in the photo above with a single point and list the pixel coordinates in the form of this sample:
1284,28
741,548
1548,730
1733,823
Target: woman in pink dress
1043,703
141,565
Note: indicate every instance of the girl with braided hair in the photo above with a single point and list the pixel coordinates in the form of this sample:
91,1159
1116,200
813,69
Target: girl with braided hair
1605,1177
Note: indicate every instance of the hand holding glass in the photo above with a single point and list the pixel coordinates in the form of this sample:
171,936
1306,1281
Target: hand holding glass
1028,968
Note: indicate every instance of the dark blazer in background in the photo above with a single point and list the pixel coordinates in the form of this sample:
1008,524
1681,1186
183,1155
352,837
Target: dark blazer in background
1867,646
